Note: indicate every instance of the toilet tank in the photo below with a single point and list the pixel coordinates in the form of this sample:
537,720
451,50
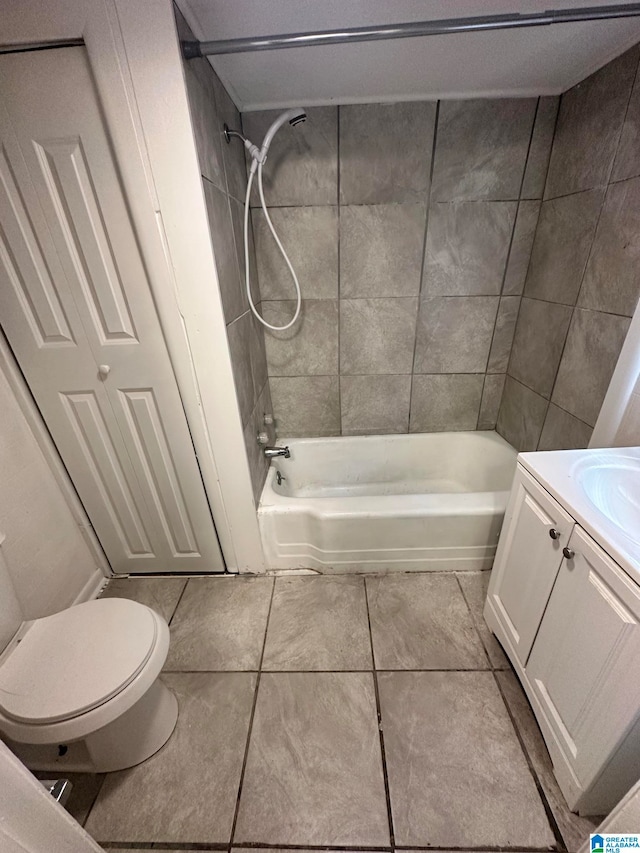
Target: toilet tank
11,616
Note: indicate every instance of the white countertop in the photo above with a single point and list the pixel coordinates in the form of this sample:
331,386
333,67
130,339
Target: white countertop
562,473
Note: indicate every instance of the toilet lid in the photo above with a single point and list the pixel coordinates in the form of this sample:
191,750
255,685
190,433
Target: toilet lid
75,660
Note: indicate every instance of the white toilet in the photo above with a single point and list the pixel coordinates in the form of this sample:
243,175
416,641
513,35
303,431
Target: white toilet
79,690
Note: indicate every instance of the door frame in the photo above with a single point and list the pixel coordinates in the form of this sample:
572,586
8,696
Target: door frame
133,51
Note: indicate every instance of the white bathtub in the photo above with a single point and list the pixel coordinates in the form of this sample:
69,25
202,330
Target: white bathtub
427,502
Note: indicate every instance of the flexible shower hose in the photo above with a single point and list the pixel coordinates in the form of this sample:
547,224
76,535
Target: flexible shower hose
280,246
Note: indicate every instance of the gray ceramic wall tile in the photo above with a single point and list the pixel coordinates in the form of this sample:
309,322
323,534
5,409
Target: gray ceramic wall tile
535,173
561,247
318,623
306,405
627,162
454,334
503,334
205,120
450,747
302,168
237,218
491,397
160,594
234,301
239,334
375,404
561,431
538,343
589,359
467,248
521,415
524,233
611,282
385,152
447,402
315,748
233,152
421,621
589,125
310,238
381,249
258,356
203,757
220,624
258,463
310,346
481,148
377,335
575,830
474,587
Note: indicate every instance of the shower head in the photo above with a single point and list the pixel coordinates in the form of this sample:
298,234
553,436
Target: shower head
294,116
298,119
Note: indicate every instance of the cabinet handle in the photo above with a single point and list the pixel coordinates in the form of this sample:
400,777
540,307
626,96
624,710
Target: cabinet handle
568,553
554,534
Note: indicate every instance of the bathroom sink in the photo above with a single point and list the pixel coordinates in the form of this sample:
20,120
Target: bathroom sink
611,482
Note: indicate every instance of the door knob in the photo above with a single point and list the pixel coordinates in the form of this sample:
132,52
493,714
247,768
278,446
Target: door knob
104,370
554,534
568,553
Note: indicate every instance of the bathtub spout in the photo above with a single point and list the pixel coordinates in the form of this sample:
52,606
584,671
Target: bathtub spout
272,452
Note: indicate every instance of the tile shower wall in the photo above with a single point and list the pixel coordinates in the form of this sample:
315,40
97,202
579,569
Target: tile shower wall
410,226
582,285
224,183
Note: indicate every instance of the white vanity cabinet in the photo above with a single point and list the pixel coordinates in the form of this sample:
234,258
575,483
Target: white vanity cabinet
535,530
568,617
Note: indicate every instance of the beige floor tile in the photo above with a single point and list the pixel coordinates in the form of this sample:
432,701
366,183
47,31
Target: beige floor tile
187,791
421,621
220,625
457,774
474,588
160,594
318,624
314,767
574,829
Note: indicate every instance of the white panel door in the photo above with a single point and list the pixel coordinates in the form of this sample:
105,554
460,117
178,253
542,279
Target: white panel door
529,554
585,662
76,306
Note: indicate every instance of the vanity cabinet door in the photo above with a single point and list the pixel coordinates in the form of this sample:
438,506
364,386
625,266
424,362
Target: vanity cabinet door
584,664
529,554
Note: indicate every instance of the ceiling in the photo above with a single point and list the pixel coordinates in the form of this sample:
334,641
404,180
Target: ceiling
542,60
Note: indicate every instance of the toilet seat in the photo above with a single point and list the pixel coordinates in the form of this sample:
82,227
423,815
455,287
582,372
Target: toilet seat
77,660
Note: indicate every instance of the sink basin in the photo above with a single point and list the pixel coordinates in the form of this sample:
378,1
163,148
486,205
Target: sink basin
612,484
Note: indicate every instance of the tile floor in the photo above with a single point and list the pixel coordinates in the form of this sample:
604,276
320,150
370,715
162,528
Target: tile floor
335,712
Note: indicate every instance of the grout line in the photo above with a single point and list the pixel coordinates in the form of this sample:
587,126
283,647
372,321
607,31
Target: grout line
506,267
323,671
504,278
338,205
178,602
362,849
479,635
344,848
94,801
383,754
251,718
560,843
419,309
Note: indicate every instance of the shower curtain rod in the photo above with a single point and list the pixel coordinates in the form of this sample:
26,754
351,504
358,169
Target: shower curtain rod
410,30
